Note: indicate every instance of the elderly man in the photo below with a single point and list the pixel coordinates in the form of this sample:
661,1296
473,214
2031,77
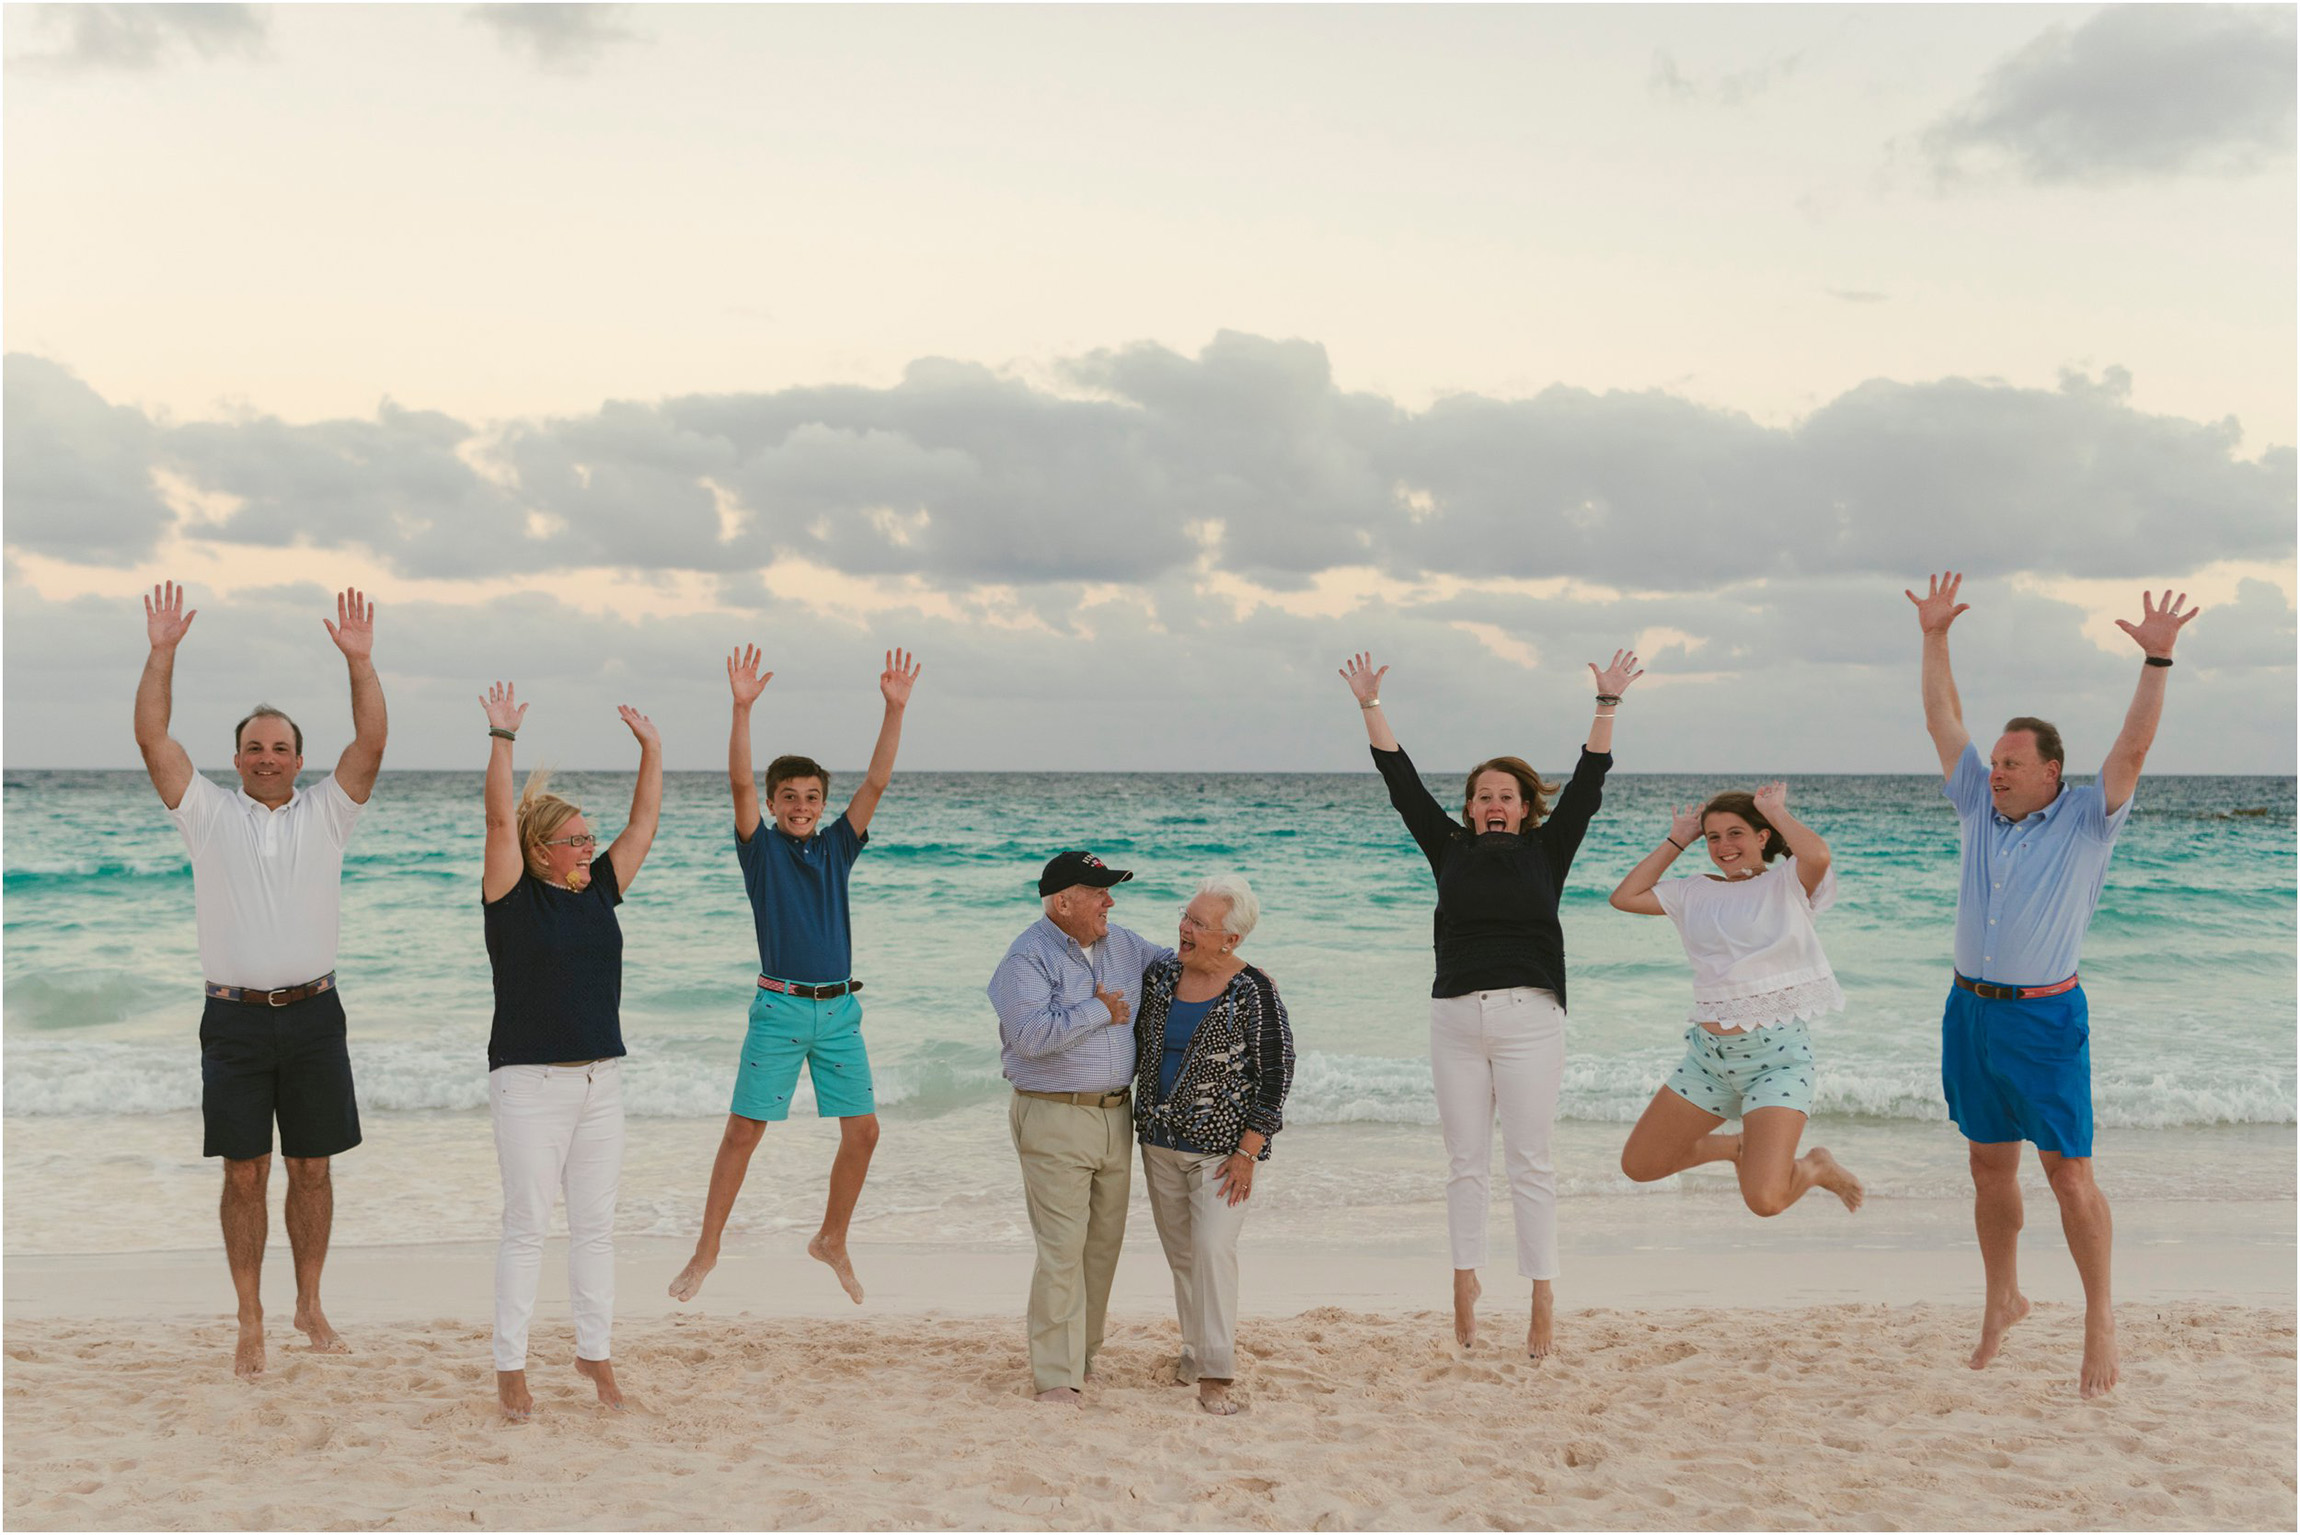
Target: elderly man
267,866
1066,994
2016,1062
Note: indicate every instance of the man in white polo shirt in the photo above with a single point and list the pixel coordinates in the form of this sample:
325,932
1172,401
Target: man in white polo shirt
267,864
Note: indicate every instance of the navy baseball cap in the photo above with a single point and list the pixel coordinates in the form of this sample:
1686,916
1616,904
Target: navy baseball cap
1066,869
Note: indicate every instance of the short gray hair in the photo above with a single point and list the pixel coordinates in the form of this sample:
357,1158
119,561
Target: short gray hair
1245,907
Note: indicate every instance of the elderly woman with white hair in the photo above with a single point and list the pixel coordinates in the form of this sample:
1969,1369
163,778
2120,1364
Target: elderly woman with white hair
1213,1055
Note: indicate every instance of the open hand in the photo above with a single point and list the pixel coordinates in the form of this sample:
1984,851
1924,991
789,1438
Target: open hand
894,683
1771,799
1234,1179
744,676
2160,623
1364,680
641,726
354,628
1614,680
165,621
1938,607
1684,824
504,712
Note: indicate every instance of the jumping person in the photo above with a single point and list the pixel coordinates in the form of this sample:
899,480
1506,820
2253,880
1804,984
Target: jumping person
2016,1061
804,1010
1497,1009
267,874
555,1053
1758,974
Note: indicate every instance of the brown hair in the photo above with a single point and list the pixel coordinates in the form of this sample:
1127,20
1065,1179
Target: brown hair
267,712
1536,793
1734,802
783,769
540,814
2048,744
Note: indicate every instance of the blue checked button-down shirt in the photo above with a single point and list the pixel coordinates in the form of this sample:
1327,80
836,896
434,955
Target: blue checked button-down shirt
2029,887
1054,1033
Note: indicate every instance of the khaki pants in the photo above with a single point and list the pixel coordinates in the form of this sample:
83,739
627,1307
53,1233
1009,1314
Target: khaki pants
1077,1171
1199,1229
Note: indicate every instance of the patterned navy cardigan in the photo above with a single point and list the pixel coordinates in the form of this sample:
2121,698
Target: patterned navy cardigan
1235,1072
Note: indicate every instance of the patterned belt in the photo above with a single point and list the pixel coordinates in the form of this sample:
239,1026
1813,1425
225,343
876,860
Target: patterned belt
2014,993
279,996
1083,1100
802,989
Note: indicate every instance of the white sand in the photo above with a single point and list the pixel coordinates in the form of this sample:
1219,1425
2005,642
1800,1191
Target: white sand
775,1403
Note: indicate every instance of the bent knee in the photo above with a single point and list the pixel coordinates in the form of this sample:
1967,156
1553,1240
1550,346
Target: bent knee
859,1131
1766,1202
744,1133
1640,1170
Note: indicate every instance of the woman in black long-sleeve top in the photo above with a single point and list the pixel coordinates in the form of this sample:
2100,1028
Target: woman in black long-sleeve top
1497,1007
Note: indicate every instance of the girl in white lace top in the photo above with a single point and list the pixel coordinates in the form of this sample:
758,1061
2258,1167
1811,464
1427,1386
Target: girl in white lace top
1758,974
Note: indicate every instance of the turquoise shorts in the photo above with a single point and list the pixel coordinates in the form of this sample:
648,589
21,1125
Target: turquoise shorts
1729,1074
826,1035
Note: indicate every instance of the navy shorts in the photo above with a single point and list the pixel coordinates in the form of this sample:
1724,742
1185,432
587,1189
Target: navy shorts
287,1063
2019,1070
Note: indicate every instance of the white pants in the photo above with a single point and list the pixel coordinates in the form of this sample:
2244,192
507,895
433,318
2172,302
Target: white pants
1198,1227
557,1128
1499,1052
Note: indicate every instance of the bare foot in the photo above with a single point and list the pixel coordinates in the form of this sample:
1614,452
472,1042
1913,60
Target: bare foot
2099,1372
822,1252
1214,1397
1995,1319
1540,1338
689,1284
511,1391
248,1356
1065,1396
601,1374
1466,1290
1832,1175
324,1339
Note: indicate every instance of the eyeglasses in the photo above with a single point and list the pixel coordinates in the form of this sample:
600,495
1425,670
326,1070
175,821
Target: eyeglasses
583,840
1194,924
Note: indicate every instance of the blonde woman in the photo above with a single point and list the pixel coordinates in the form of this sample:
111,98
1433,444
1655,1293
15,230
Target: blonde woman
554,1056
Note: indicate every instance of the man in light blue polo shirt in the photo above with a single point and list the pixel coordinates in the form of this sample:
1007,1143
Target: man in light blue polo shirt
804,1011
2016,1062
1065,995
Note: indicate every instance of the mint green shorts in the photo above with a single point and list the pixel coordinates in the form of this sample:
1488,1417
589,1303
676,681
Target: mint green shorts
1730,1074
787,1032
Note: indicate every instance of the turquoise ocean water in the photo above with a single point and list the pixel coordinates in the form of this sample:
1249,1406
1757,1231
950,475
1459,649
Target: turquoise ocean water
2190,970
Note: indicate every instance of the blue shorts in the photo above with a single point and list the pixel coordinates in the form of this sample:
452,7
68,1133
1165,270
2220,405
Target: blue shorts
826,1035
2019,1070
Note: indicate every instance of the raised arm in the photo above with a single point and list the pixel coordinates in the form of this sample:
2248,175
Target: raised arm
629,850
1612,682
1944,711
1806,845
165,624
894,686
2158,629
505,860
354,635
1366,685
1635,892
747,682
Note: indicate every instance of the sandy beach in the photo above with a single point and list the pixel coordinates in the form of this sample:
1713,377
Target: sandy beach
774,1403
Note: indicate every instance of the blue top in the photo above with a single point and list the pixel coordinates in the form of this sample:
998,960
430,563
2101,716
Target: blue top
798,894
557,955
1054,1033
2029,887
1182,1020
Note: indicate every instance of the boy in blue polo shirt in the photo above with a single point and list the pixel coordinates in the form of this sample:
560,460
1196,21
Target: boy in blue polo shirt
804,1010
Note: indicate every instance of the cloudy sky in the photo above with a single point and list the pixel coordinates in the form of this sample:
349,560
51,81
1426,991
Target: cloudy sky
1135,365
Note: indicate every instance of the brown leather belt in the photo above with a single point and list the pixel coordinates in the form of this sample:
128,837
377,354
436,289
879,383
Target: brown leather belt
1083,1100
278,996
2014,993
802,989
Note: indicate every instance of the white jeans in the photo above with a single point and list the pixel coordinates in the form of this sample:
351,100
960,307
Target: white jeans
557,1128
1499,1052
1198,1227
